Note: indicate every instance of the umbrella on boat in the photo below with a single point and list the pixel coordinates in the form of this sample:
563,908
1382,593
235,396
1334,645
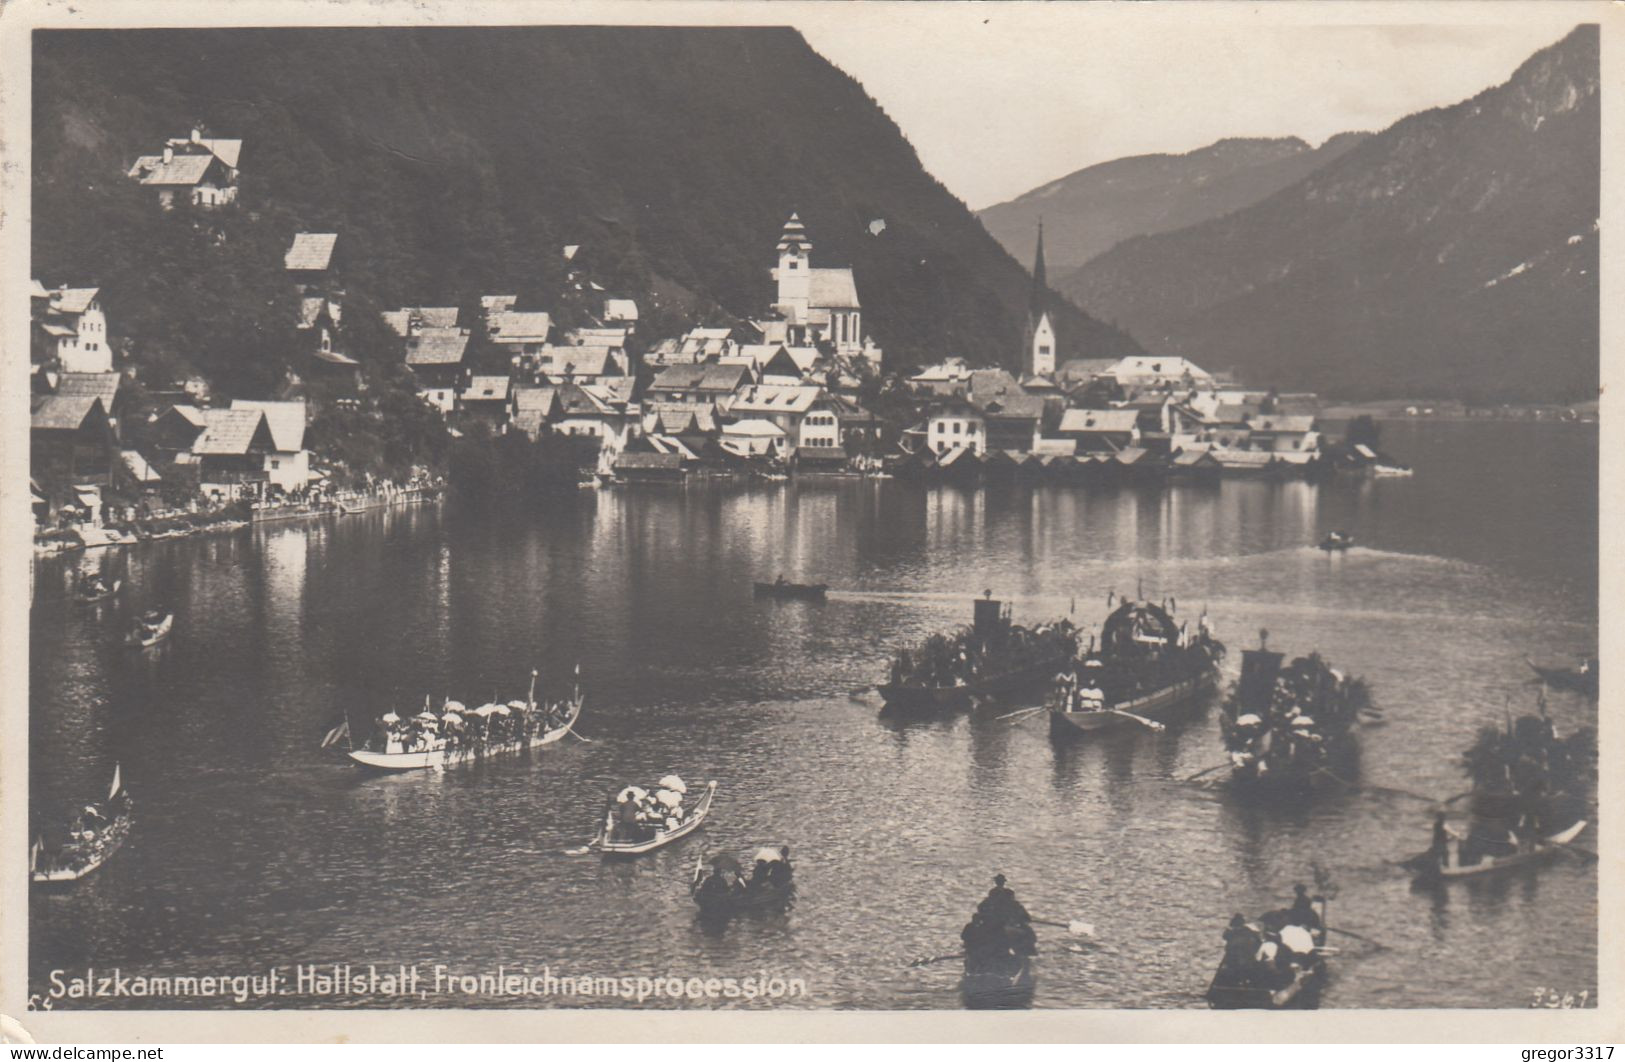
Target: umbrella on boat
1250,719
426,717
453,706
768,855
390,717
1298,939
498,709
518,706
632,792
668,798
674,783
1303,721
452,717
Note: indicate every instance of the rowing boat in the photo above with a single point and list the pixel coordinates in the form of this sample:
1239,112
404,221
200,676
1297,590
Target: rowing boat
82,857
442,754
805,591
1430,869
1583,680
725,891
1152,704
1003,985
930,700
148,632
89,596
1336,540
1301,993
660,837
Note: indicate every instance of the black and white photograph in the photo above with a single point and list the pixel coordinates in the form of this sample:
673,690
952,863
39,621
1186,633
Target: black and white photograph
813,507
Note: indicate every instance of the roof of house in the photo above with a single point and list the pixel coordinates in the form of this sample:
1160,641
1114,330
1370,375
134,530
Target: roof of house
775,398
287,421
833,289
1154,365
620,310
103,385
36,290
754,429
584,361
723,379
1017,405
62,412
954,370
137,466
497,303
437,346
1077,368
226,151
758,353
1282,422
596,337
184,170
231,431
1076,420
520,326
1231,413
73,300
310,251
191,414
985,383
708,333
678,377
578,401
491,388
543,400
1129,455
1187,458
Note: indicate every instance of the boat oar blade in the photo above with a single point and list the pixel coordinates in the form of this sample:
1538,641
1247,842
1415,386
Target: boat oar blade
1081,929
917,963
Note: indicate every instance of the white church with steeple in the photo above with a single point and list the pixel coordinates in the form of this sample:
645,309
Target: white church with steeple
817,305
1038,359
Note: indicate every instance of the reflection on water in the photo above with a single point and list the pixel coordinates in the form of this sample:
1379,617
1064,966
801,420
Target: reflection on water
250,846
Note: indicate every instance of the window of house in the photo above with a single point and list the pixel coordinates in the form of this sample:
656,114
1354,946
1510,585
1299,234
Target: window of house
958,427
794,264
276,463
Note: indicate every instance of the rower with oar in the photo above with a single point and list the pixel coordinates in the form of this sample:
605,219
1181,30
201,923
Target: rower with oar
1001,928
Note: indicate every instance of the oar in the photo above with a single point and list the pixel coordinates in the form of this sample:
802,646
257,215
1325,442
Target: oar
1210,770
573,734
1576,849
1350,933
1152,723
583,850
1023,712
1077,929
917,963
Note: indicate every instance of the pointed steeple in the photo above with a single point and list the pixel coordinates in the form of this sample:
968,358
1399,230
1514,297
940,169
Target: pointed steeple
1040,281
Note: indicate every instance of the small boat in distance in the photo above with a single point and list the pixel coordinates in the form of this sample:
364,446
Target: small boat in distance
1336,541
95,588
999,949
779,588
725,890
95,835
1274,963
152,627
1581,679
616,839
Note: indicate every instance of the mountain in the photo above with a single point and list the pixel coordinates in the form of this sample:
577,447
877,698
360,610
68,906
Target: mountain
1454,254
455,162
1087,212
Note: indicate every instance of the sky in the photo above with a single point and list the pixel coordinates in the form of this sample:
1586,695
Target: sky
998,99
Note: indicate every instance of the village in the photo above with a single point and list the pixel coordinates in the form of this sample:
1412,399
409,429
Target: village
801,389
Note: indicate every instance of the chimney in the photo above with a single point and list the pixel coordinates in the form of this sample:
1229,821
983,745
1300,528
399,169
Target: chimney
197,135
169,154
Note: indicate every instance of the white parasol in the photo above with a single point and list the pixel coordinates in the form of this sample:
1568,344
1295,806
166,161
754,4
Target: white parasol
1250,719
390,717
452,717
498,709
1303,720
518,706
426,717
668,798
632,792
767,855
1297,939
674,783
453,706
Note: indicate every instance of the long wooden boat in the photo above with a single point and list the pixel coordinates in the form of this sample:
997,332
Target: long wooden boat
999,987
691,822
1430,869
1302,993
1152,704
932,700
1336,541
77,861
443,755
146,634
1567,678
805,591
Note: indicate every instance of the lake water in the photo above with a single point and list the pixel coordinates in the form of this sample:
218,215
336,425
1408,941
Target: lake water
252,849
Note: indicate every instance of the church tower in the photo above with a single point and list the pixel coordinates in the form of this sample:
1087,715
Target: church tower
794,273
1039,356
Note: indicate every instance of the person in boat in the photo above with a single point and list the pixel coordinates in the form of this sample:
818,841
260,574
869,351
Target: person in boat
779,872
758,875
1302,912
1000,907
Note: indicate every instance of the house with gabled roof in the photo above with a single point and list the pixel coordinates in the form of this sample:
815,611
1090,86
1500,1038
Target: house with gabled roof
287,465
485,397
436,358
231,453
309,257
1012,419
818,305
531,409
520,334
70,439
410,320
73,327
202,169
623,312
780,404
1100,431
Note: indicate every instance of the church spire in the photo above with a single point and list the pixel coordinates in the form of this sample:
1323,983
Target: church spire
1040,281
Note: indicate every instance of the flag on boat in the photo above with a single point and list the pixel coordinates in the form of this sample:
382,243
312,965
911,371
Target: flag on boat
113,790
337,734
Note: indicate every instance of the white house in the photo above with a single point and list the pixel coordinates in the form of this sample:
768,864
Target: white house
782,405
955,424
287,465
76,327
202,168
755,438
